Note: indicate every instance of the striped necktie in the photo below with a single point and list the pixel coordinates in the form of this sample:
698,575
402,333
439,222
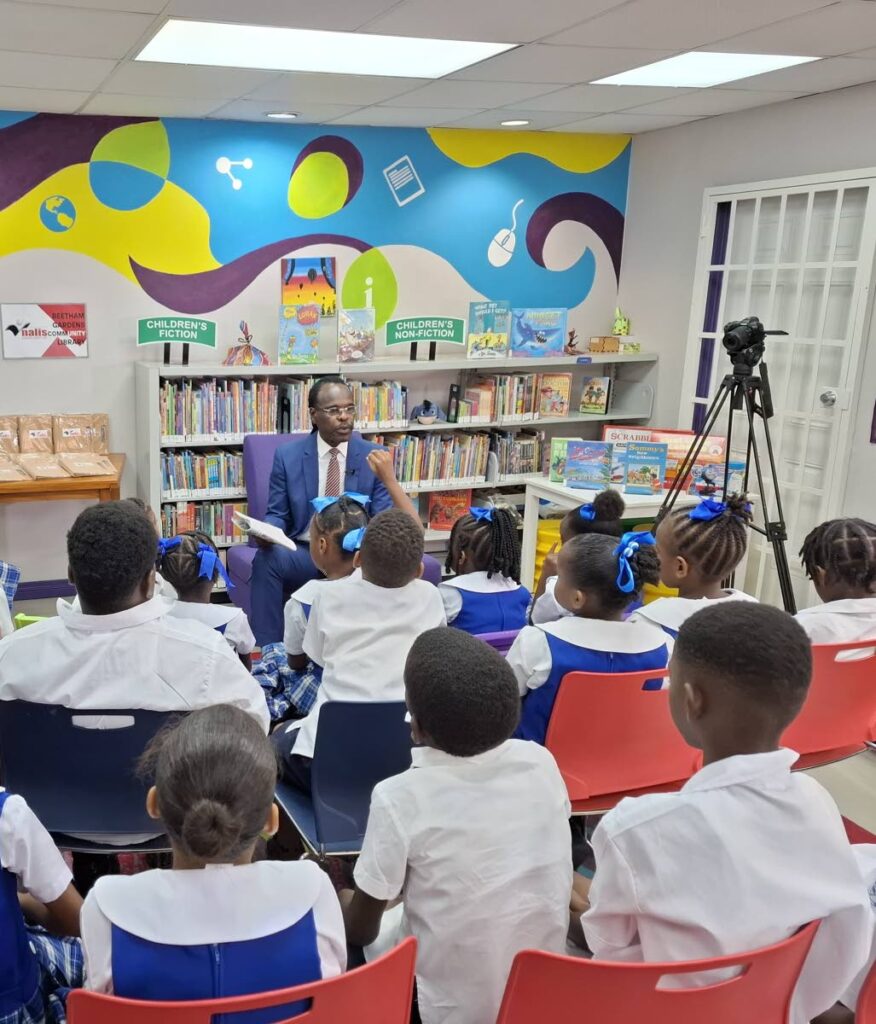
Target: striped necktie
333,476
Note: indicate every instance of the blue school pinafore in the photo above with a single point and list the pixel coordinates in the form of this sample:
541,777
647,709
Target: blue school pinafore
493,612
19,969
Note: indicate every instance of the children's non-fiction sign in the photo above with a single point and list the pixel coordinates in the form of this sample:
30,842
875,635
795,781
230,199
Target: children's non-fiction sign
181,330
44,330
414,329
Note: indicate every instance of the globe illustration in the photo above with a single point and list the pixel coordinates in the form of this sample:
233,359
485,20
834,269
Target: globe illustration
57,213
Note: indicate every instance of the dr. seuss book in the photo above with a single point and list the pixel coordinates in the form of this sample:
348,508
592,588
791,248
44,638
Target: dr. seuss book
488,327
559,450
594,395
537,332
644,467
356,335
446,507
299,334
554,390
588,465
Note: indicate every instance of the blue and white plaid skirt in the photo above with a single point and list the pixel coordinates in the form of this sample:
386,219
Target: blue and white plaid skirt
61,968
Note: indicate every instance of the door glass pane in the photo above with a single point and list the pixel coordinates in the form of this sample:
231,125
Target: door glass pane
784,300
810,303
743,223
795,222
759,299
848,238
839,303
735,301
790,461
778,356
821,226
767,243
817,454
802,378
830,369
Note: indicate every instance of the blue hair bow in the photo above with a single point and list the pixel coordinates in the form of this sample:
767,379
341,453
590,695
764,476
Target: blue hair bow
628,546
323,503
353,540
209,563
481,514
707,510
587,512
166,544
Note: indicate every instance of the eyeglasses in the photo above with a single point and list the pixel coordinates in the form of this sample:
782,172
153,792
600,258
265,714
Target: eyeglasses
337,410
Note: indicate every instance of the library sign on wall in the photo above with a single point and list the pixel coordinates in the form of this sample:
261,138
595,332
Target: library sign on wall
165,330
413,329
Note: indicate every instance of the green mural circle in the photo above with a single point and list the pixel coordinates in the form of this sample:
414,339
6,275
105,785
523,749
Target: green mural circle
319,186
370,281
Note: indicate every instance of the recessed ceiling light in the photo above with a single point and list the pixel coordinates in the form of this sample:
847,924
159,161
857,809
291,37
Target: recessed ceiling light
699,70
293,49
513,124
282,115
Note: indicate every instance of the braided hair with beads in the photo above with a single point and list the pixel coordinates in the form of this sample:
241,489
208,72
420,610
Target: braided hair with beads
490,545
845,549
714,547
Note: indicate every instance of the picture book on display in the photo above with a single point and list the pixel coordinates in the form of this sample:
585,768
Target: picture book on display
588,465
488,327
299,334
594,395
536,333
555,390
356,335
557,467
310,280
446,507
644,467
677,443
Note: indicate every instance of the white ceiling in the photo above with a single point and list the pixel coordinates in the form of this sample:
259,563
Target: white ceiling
75,56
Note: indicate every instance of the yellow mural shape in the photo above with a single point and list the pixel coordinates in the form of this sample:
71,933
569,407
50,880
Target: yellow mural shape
319,186
579,154
171,233
140,145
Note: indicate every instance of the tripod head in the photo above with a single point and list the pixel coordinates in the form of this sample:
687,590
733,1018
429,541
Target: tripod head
744,341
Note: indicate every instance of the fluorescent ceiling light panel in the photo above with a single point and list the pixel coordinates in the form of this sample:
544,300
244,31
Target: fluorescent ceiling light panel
292,49
699,70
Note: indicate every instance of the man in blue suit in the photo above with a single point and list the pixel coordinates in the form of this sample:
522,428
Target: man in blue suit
329,461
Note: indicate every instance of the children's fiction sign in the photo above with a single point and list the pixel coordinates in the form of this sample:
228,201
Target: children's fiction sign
181,330
413,329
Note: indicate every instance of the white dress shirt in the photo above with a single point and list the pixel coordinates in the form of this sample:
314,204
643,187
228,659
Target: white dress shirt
6,626
744,855
323,457
547,608
139,658
297,610
361,635
479,848
839,622
237,632
670,613
28,852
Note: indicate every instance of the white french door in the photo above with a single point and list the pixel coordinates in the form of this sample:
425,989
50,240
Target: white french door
799,255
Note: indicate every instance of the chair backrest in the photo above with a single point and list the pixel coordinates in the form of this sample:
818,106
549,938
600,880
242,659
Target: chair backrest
567,990
865,1008
258,458
501,641
77,779
357,746
608,735
379,993
840,708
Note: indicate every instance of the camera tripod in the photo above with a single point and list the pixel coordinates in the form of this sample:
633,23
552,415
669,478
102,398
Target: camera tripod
745,389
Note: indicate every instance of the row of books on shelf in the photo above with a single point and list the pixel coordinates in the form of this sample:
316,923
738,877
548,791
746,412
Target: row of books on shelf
215,518
224,406
523,397
199,472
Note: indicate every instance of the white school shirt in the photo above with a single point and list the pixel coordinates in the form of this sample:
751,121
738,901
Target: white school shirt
220,903
162,589
839,622
139,658
479,848
361,635
237,632
865,854
28,852
294,616
740,858
323,457
670,613
547,608
477,583
6,626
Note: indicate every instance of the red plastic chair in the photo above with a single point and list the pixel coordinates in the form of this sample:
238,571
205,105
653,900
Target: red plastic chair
379,993
865,1011
567,990
613,739
839,714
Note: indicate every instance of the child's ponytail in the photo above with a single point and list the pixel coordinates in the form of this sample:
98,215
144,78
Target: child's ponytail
637,562
337,518
713,535
602,515
612,572
488,537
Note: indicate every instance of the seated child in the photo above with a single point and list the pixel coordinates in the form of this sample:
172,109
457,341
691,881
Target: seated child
485,595
36,969
597,579
474,837
121,648
191,564
216,924
697,549
361,628
747,852
840,558
602,515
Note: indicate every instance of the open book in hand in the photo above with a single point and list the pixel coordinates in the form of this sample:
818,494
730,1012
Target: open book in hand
264,531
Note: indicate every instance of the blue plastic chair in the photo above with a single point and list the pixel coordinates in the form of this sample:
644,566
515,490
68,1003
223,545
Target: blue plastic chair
80,780
500,641
357,746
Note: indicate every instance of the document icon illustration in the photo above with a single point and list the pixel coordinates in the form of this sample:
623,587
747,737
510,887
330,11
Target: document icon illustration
403,180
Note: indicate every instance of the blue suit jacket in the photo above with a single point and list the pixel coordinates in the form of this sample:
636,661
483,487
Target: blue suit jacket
295,481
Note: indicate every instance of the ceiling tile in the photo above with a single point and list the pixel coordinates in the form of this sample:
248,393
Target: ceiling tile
70,30
827,32
705,102
141,6
538,119
407,117
625,123
340,15
152,79
565,65
681,24
257,110
819,76
41,71
515,21
149,106
358,90
42,101
599,99
453,93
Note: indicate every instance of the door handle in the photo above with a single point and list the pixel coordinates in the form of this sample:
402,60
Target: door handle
828,397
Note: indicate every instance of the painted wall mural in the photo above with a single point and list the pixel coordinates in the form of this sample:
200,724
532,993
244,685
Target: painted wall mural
192,211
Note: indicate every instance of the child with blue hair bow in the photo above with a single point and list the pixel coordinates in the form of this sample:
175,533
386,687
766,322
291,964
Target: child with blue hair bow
192,566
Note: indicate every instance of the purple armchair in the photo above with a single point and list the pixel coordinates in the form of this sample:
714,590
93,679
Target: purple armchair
258,457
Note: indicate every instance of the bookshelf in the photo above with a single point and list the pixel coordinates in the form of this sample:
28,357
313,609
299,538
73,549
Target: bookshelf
631,399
